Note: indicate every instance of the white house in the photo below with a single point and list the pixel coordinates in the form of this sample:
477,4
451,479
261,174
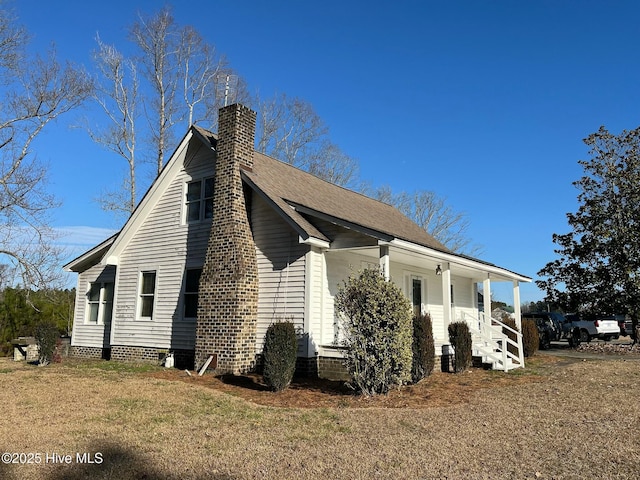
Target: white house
227,241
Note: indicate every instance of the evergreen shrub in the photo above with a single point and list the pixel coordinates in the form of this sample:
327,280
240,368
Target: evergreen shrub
377,332
424,350
280,353
460,339
46,335
530,337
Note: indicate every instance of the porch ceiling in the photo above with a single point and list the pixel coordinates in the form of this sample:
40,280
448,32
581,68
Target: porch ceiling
429,259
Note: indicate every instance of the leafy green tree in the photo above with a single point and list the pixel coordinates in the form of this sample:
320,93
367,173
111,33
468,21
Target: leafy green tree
46,335
598,264
21,310
540,306
377,325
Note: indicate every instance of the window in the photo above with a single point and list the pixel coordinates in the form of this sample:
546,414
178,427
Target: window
147,294
416,295
200,200
192,281
99,303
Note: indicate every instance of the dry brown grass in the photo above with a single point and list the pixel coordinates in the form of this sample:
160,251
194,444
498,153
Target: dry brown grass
558,419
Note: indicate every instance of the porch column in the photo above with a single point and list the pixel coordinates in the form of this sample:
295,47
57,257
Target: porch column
384,261
516,304
446,295
486,292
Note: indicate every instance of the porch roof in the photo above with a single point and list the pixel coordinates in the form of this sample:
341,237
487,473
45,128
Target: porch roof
407,253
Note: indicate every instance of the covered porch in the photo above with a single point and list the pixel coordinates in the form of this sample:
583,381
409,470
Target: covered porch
446,286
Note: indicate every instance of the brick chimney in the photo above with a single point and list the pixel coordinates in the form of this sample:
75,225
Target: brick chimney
228,293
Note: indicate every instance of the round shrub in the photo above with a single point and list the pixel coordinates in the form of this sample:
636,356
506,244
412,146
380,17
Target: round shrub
530,337
460,338
424,350
377,332
280,352
46,335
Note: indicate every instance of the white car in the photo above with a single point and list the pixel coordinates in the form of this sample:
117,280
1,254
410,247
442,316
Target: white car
605,328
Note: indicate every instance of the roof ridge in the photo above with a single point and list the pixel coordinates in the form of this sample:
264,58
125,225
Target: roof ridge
207,132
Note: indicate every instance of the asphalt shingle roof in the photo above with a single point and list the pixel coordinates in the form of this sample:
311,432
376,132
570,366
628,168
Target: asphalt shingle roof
288,187
281,181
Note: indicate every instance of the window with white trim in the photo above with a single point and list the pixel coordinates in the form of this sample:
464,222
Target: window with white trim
147,294
190,297
199,201
99,303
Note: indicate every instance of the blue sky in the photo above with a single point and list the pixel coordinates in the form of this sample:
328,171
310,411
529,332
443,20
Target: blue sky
485,103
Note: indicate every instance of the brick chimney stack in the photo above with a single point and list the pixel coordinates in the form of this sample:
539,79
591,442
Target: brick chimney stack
228,293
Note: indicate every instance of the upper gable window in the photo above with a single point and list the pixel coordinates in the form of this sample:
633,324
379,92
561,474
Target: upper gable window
199,200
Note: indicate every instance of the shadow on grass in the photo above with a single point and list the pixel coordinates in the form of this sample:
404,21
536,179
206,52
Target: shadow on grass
104,461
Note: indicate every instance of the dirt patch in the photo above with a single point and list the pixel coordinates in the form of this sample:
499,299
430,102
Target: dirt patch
437,390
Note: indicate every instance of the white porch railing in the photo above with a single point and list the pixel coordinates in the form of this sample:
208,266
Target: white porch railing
491,343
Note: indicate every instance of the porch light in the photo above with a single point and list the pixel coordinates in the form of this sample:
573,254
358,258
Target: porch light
438,270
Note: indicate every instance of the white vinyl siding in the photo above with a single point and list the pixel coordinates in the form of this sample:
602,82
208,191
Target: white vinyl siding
87,333
340,264
465,296
166,244
317,285
281,271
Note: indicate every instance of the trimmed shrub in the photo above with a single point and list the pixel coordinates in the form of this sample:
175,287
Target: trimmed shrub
460,338
280,352
376,324
511,323
46,335
530,337
424,350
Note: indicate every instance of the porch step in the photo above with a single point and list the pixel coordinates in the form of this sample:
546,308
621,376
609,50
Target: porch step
493,361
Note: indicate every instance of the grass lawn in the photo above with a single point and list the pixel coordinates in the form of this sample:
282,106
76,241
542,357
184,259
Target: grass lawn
556,419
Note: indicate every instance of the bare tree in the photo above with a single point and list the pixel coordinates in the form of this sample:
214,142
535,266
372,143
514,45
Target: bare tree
35,92
432,213
290,130
207,81
117,94
330,163
159,40
178,84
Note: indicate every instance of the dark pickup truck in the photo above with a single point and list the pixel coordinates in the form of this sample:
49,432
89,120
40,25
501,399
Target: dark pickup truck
549,326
